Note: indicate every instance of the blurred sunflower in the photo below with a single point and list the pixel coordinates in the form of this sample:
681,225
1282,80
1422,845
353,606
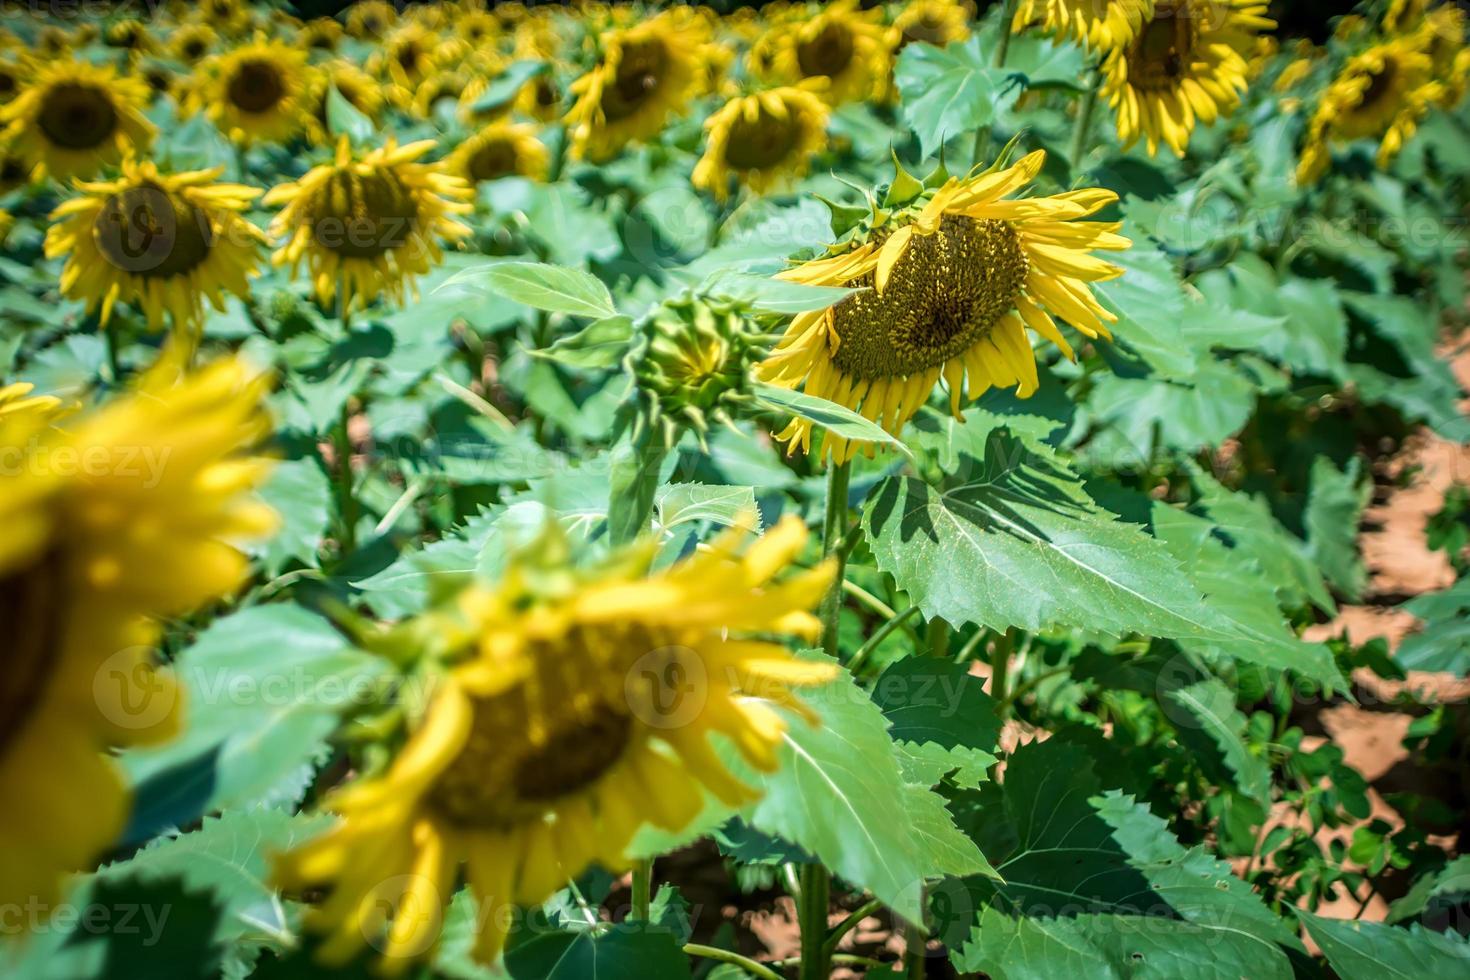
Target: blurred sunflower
763,140
936,22
72,119
501,149
445,84
192,43
1188,63
53,42
950,283
130,35
160,78
647,73
1099,24
1404,15
14,171
11,73
1442,36
369,20
1381,94
320,34
17,400
360,89
842,44
541,98
372,223
256,93
477,28
408,56
231,18
550,742
1305,57
87,562
165,243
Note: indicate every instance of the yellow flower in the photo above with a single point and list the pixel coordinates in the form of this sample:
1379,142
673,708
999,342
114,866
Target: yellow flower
129,34
192,43
477,28
321,34
1403,15
1381,94
129,514
409,55
764,140
231,18
647,74
74,119
369,20
1442,36
1307,57
12,74
552,741
165,243
1100,24
52,43
257,92
359,88
16,400
936,22
500,149
372,223
948,286
1188,63
844,45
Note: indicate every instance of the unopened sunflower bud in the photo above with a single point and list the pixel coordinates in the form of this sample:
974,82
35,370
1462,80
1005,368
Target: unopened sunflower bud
694,368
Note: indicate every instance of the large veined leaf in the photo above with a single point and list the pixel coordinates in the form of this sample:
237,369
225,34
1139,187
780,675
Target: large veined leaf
299,491
1209,719
626,952
839,794
1334,512
1374,951
1094,885
940,714
1443,642
1151,306
947,92
1143,415
544,287
1016,541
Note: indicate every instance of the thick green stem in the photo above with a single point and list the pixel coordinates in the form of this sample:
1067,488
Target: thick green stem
642,889
913,951
938,638
816,960
1082,131
850,923
1007,18
1000,664
895,622
346,492
834,526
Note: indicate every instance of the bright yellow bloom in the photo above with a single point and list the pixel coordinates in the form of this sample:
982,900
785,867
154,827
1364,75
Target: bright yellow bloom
936,22
1188,64
1442,36
360,89
410,54
370,20
948,287
165,243
1380,94
500,149
1403,16
192,43
373,223
231,18
553,739
763,140
129,513
842,44
647,74
1100,24
256,93
74,119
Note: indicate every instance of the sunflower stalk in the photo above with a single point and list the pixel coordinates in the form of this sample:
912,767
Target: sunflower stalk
1082,130
642,889
1003,49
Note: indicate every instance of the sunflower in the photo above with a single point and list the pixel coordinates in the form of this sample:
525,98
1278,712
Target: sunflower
192,43
551,740
231,18
540,98
52,43
14,171
11,75
74,119
360,89
1404,15
1381,94
1100,24
477,28
445,84
256,93
936,22
1442,36
501,149
130,35
408,56
842,44
1189,61
160,79
372,223
165,243
91,555
647,73
949,282
764,140
320,34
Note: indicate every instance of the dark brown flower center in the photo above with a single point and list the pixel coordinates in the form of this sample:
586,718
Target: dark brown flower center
828,53
763,142
149,232
500,779
640,73
945,294
1380,85
194,49
31,609
1160,55
77,116
8,84
257,86
363,217
496,158
927,28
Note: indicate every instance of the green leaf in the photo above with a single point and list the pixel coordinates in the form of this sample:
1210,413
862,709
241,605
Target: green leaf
939,705
1434,895
1334,512
508,84
1094,885
1209,711
1016,541
601,344
1373,951
1151,307
764,294
839,794
625,952
634,479
259,722
682,503
1189,413
946,92
344,119
542,286
298,491
829,415
1443,644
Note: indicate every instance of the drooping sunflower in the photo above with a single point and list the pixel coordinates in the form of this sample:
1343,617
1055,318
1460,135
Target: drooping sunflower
360,89
552,740
1381,94
74,119
950,283
1188,63
192,43
501,149
763,140
936,22
846,46
90,556
257,92
646,75
166,243
373,223
1100,24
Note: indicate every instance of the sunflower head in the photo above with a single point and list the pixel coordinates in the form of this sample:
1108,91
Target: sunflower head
1442,36
762,140
74,118
230,17
360,89
949,274
1099,24
843,45
321,34
192,43
409,55
53,42
256,93
11,75
936,22
550,739
500,149
167,243
369,225
128,34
